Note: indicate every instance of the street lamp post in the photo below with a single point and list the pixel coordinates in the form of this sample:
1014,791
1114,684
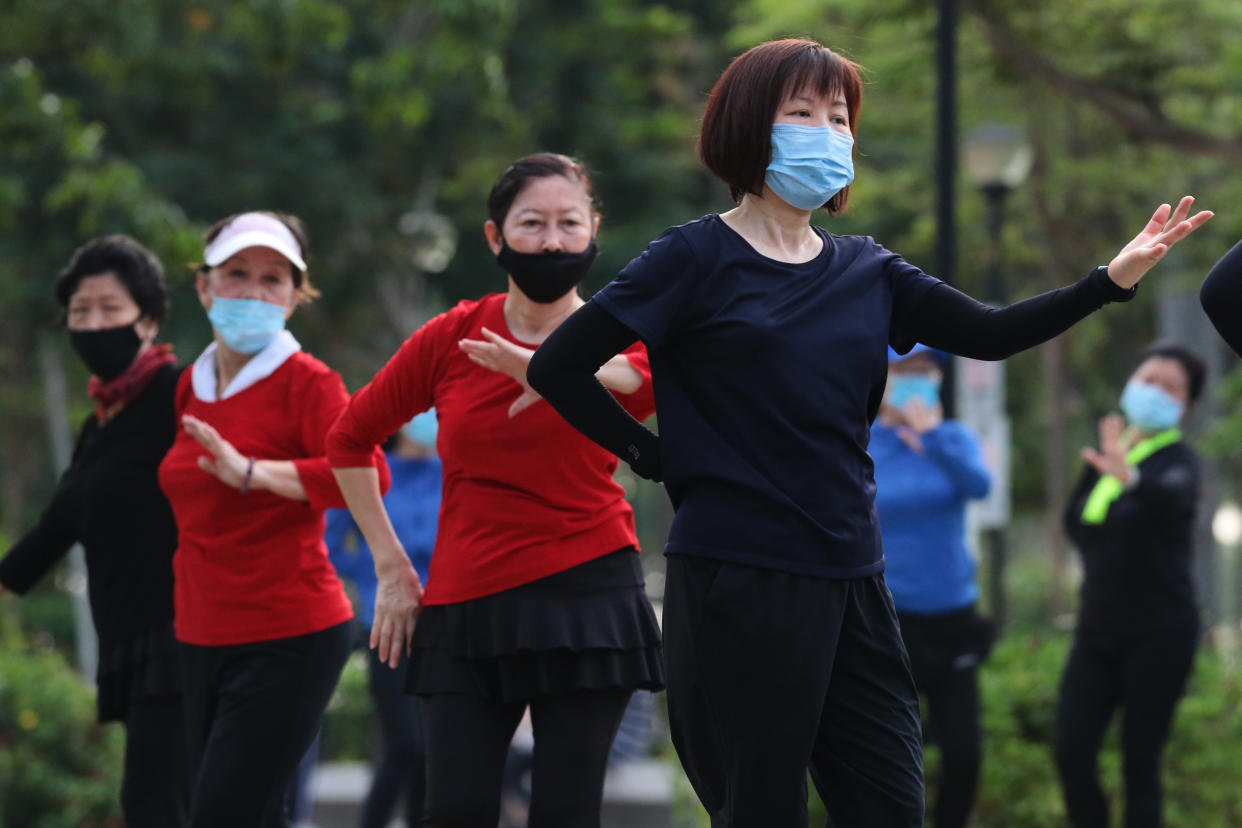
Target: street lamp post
997,158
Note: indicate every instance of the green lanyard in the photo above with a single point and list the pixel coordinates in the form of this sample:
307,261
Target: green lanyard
1108,488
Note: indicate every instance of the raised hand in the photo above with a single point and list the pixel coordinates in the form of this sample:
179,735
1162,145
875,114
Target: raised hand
501,355
922,417
1166,228
1110,459
226,463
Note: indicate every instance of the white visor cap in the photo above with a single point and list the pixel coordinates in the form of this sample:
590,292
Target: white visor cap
254,230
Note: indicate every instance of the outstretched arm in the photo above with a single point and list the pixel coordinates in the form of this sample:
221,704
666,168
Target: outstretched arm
563,370
1221,296
951,321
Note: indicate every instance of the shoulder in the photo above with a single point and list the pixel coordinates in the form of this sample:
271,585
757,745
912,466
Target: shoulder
859,249
311,375
453,322
1178,454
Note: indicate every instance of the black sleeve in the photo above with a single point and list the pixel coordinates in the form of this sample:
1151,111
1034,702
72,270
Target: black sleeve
41,548
949,320
563,372
1221,296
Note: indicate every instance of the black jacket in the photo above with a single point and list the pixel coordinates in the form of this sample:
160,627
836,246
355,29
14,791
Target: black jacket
1137,564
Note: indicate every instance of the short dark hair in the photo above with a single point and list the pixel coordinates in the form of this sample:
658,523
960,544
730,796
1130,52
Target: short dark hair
134,266
537,165
301,279
1192,364
735,141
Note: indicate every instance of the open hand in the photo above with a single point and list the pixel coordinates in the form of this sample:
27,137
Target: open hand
398,598
226,463
501,355
1166,228
1110,459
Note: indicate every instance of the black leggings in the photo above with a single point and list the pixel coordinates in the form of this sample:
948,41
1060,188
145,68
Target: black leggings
467,741
155,791
252,711
1145,678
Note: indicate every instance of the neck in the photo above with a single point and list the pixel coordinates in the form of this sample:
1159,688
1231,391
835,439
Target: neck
228,365
775,225
533,321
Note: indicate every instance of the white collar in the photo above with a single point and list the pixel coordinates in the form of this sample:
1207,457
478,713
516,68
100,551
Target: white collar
261,366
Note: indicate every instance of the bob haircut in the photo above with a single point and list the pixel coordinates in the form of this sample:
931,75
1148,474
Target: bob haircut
735,142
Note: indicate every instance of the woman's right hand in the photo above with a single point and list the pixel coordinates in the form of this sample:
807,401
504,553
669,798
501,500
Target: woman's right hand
398,598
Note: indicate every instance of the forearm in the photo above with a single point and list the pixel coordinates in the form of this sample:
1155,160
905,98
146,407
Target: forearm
563,371
1221,297
949,320
619,375
959,456
360,488
278,477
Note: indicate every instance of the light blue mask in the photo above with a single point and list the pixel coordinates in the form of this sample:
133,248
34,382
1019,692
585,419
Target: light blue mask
246,325
906,387
1150,407
809,164
423,429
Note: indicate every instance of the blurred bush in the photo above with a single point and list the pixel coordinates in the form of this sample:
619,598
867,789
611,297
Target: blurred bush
60,769
349,725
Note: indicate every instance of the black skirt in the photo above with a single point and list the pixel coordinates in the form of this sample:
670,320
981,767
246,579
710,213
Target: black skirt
589,627
146,666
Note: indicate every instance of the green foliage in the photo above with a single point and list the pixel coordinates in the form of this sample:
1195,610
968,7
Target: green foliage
349,723
60,768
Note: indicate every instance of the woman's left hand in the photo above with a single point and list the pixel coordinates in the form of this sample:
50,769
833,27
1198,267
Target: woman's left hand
1110,459
226,463
501,355
1166,228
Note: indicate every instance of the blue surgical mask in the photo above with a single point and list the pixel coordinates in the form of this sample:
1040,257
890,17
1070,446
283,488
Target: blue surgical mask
246,325
423,429
1150,407
809,164
906,387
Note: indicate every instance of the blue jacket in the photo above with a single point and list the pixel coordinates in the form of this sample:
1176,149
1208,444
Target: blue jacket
413,504
921,499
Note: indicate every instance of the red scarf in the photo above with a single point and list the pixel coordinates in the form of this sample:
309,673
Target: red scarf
111,395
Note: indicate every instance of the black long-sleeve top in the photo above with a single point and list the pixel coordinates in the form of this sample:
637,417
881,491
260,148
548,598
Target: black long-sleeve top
1137,563
1221,296
109,500
563,368
767,376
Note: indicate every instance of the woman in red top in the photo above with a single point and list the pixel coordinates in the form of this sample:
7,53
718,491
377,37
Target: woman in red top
535,594
264,621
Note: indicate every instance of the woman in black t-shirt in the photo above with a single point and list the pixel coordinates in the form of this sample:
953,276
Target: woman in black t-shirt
109,500
769,340
1132,516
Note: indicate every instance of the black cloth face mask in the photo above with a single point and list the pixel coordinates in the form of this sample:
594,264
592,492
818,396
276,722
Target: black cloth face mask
107,352
546,277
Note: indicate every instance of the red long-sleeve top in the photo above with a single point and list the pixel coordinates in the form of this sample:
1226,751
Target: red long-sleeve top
523,497
253,567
